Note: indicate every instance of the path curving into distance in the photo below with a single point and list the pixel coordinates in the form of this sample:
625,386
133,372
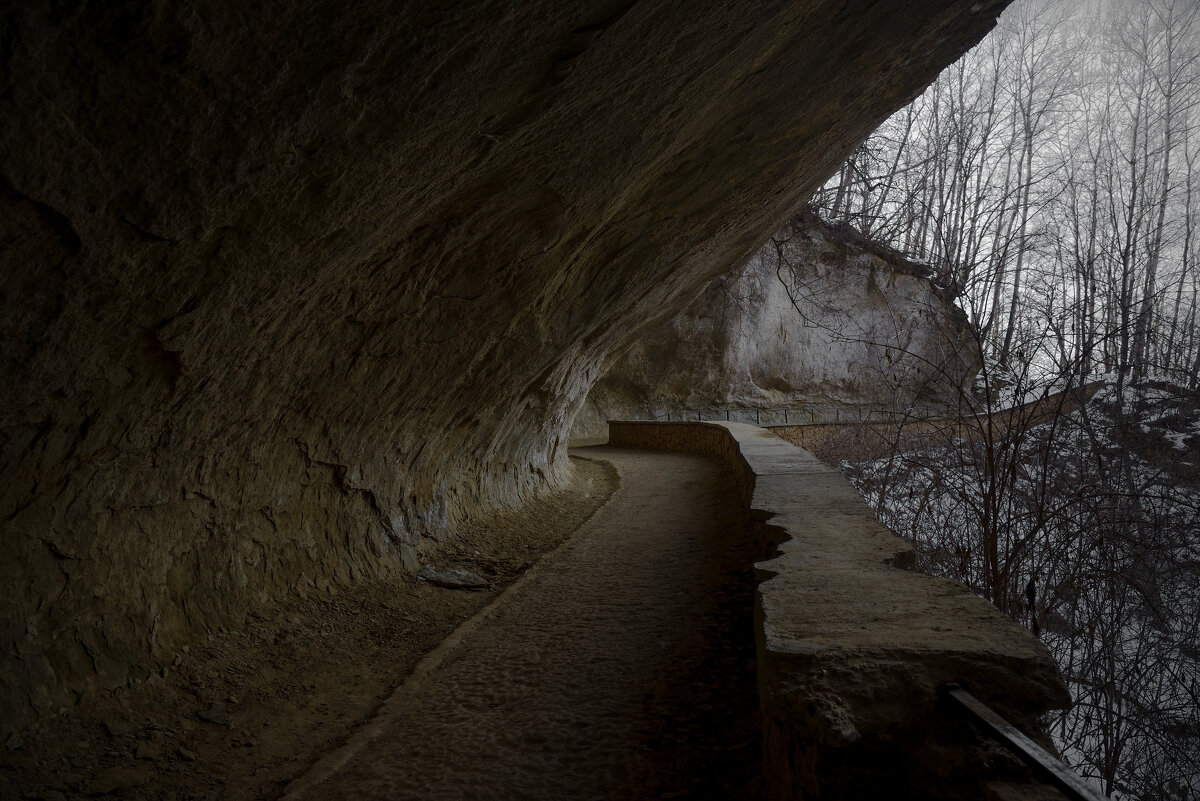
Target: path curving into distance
620,667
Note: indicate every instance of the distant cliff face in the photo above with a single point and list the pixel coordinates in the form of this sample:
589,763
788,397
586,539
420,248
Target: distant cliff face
818,320
289,288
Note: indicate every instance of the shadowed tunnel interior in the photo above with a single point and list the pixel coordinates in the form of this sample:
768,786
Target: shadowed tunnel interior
292,289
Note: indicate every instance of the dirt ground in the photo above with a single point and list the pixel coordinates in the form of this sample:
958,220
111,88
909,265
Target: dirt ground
621,668
243,713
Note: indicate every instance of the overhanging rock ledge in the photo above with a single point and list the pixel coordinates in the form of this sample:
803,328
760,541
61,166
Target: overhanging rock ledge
289,288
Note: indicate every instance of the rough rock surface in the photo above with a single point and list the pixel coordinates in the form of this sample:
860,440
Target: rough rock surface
297,680
290,287
818,320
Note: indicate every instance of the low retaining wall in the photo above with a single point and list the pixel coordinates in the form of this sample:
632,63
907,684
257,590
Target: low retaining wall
853,649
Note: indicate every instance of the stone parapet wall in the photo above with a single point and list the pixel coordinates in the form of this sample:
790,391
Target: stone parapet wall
853,649
709,439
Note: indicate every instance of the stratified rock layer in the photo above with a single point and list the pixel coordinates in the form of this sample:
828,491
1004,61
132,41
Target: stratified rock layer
819,321
289,287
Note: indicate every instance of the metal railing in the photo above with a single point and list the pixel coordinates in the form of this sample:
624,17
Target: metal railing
837,415
1049,766
792,415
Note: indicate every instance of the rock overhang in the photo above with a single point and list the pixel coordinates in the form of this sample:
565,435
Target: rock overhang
291,288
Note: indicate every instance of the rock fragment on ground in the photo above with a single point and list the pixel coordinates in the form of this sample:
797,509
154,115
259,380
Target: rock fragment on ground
110,780
215,714
148,750
453,577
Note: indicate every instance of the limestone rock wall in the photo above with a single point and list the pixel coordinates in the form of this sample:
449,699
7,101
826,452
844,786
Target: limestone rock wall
289,287
818,320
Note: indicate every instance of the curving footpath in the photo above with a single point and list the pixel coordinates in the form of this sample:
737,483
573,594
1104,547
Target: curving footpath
620,667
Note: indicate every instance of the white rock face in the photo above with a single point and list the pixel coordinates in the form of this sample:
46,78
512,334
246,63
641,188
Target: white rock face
819,322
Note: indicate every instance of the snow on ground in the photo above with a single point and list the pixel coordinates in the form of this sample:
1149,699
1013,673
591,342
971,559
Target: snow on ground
1088,532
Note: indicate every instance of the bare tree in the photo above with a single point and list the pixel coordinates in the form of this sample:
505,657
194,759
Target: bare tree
1050,181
